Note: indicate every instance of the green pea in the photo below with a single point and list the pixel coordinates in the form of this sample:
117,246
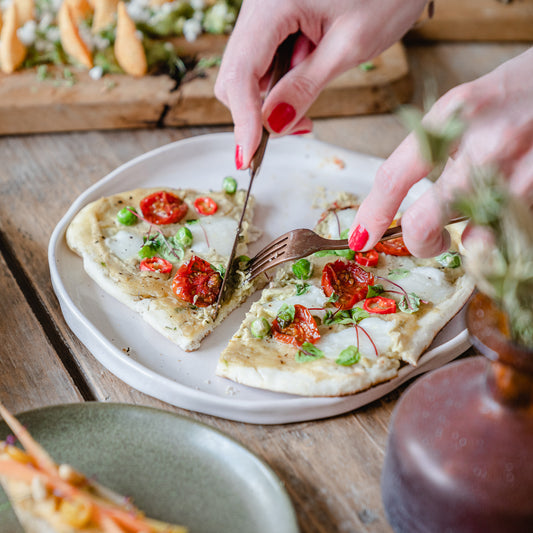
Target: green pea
302,269
260,328
126,217
184,236
229,185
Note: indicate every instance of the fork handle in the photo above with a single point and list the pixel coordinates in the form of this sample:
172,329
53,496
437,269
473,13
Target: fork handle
391,233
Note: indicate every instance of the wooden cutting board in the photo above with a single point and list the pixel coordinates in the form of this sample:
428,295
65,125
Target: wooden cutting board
477,20
28,105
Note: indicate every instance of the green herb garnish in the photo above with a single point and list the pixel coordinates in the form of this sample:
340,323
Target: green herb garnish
398,273
308,352
367,65
347,254
346,317
409,303
349,356
302,269
302,288
449,259
184,236
286,314
374,290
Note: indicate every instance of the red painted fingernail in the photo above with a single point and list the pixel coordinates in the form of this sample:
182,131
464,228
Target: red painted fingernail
300,132
358,238
281,116
238,157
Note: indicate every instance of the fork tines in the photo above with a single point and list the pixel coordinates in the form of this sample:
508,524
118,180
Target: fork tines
270,253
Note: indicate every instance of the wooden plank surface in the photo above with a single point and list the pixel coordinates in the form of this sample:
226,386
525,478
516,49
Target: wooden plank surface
331,467
31,372
477,20
28,105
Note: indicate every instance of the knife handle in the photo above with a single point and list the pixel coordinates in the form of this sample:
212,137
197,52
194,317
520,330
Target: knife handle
280,66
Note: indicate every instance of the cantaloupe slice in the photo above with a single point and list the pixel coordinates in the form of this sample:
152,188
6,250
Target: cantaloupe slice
12,51
129,49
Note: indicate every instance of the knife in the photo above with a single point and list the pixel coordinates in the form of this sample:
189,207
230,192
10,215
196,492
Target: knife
280,65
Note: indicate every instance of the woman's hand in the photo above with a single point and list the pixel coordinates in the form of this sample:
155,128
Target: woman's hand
498,110
334,36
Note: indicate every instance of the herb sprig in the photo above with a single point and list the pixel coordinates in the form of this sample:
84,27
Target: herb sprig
503,268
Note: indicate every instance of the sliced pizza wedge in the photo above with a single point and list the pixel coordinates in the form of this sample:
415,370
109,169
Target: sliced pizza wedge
55,498
336,323
163,253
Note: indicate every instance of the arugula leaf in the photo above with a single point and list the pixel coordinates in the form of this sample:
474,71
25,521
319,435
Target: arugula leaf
374,290
409,304
308,352
285,315
398,273
349,356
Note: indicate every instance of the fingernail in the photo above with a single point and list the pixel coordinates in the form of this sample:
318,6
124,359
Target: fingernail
300,132
281,116
238,157
358,238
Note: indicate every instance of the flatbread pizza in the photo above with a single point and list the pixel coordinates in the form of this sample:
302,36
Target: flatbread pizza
336,323
163,253
55,498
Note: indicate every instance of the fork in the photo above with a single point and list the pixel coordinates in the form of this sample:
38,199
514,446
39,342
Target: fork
299,243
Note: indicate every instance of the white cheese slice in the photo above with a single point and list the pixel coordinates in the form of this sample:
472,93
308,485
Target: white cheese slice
312,299
213,233
332,344
343,219
124,245
427,282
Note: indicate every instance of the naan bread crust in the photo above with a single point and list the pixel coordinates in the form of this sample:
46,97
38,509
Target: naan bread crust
269,364
150,293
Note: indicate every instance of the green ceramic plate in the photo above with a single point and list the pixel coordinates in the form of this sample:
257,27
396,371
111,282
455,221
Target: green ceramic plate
174,468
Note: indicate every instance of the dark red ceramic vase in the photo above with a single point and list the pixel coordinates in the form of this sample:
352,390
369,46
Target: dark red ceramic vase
460,450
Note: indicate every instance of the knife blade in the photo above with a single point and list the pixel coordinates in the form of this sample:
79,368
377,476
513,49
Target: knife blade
280,66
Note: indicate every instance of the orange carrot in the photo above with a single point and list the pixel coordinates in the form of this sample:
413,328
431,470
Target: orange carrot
37,452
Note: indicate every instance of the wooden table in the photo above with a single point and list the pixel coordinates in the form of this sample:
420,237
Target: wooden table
330,467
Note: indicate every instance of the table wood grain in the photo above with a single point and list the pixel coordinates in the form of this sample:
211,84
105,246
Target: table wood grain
331,468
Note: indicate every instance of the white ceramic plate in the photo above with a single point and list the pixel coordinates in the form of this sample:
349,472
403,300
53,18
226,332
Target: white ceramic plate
296,173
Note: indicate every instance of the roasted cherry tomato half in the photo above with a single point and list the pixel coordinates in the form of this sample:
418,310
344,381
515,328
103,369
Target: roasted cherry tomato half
348,281
302,329
380,305
156,264
367,259
205,205
197,283
393,247
163,208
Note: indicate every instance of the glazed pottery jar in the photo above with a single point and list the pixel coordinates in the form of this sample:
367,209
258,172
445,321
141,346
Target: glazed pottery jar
460,450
